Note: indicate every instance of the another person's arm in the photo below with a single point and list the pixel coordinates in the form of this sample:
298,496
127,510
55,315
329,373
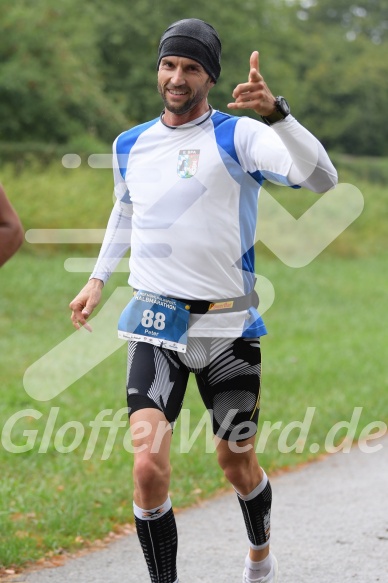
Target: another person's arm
11,229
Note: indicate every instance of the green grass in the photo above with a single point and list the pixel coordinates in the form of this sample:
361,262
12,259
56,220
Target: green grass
326,349
54,197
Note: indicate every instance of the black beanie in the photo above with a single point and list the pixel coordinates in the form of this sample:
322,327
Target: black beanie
194,39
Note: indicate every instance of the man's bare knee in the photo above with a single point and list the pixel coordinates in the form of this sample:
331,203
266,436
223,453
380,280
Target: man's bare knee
241,467
151,470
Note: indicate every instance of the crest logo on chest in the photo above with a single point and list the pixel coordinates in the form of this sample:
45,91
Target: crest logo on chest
187,163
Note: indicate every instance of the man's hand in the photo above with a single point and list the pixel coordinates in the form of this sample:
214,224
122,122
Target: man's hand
85,302
255,94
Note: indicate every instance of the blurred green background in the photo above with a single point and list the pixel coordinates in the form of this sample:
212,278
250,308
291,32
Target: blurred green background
74,72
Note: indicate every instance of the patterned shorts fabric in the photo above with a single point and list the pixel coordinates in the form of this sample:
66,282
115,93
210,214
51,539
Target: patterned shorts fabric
227,371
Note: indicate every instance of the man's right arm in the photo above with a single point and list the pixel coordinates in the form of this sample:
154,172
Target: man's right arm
117,241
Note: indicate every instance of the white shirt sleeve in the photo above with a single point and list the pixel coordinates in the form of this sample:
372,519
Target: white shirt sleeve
286,153
117,238
117,241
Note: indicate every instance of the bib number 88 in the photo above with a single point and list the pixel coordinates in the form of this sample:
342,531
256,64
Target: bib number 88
151,320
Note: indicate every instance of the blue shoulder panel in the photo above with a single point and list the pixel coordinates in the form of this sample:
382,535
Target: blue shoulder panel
224,128
127,140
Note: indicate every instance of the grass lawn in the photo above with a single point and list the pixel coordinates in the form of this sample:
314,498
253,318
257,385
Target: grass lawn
324,362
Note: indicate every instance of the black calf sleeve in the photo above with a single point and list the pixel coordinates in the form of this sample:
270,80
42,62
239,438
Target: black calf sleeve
256,509
159,541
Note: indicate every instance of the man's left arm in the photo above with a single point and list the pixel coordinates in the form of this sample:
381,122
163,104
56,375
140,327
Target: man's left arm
310,164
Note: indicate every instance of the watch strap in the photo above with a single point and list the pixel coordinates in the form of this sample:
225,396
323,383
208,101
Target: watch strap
280,112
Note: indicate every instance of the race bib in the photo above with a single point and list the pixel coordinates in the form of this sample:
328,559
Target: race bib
156,319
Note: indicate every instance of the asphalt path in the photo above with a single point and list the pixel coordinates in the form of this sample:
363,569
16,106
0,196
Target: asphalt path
329,525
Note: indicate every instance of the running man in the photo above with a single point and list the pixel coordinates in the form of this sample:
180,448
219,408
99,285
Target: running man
187,187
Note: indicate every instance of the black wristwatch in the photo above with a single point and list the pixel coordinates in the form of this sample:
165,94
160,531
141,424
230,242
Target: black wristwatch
281,112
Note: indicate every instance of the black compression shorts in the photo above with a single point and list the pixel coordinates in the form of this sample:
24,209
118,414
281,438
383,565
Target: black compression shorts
227,372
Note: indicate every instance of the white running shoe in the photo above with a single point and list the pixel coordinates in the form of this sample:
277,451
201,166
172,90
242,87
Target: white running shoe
272,576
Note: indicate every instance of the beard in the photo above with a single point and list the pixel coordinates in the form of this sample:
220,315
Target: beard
192,101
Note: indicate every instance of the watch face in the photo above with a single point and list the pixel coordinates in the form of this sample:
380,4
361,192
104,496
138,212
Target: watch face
282,106
282,110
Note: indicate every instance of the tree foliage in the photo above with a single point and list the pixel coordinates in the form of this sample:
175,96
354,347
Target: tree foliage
346,84
50,85
71,69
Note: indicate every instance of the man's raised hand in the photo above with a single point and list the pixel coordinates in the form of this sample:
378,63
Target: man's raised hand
254,94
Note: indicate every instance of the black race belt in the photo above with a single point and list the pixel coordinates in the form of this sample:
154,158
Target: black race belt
237,304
